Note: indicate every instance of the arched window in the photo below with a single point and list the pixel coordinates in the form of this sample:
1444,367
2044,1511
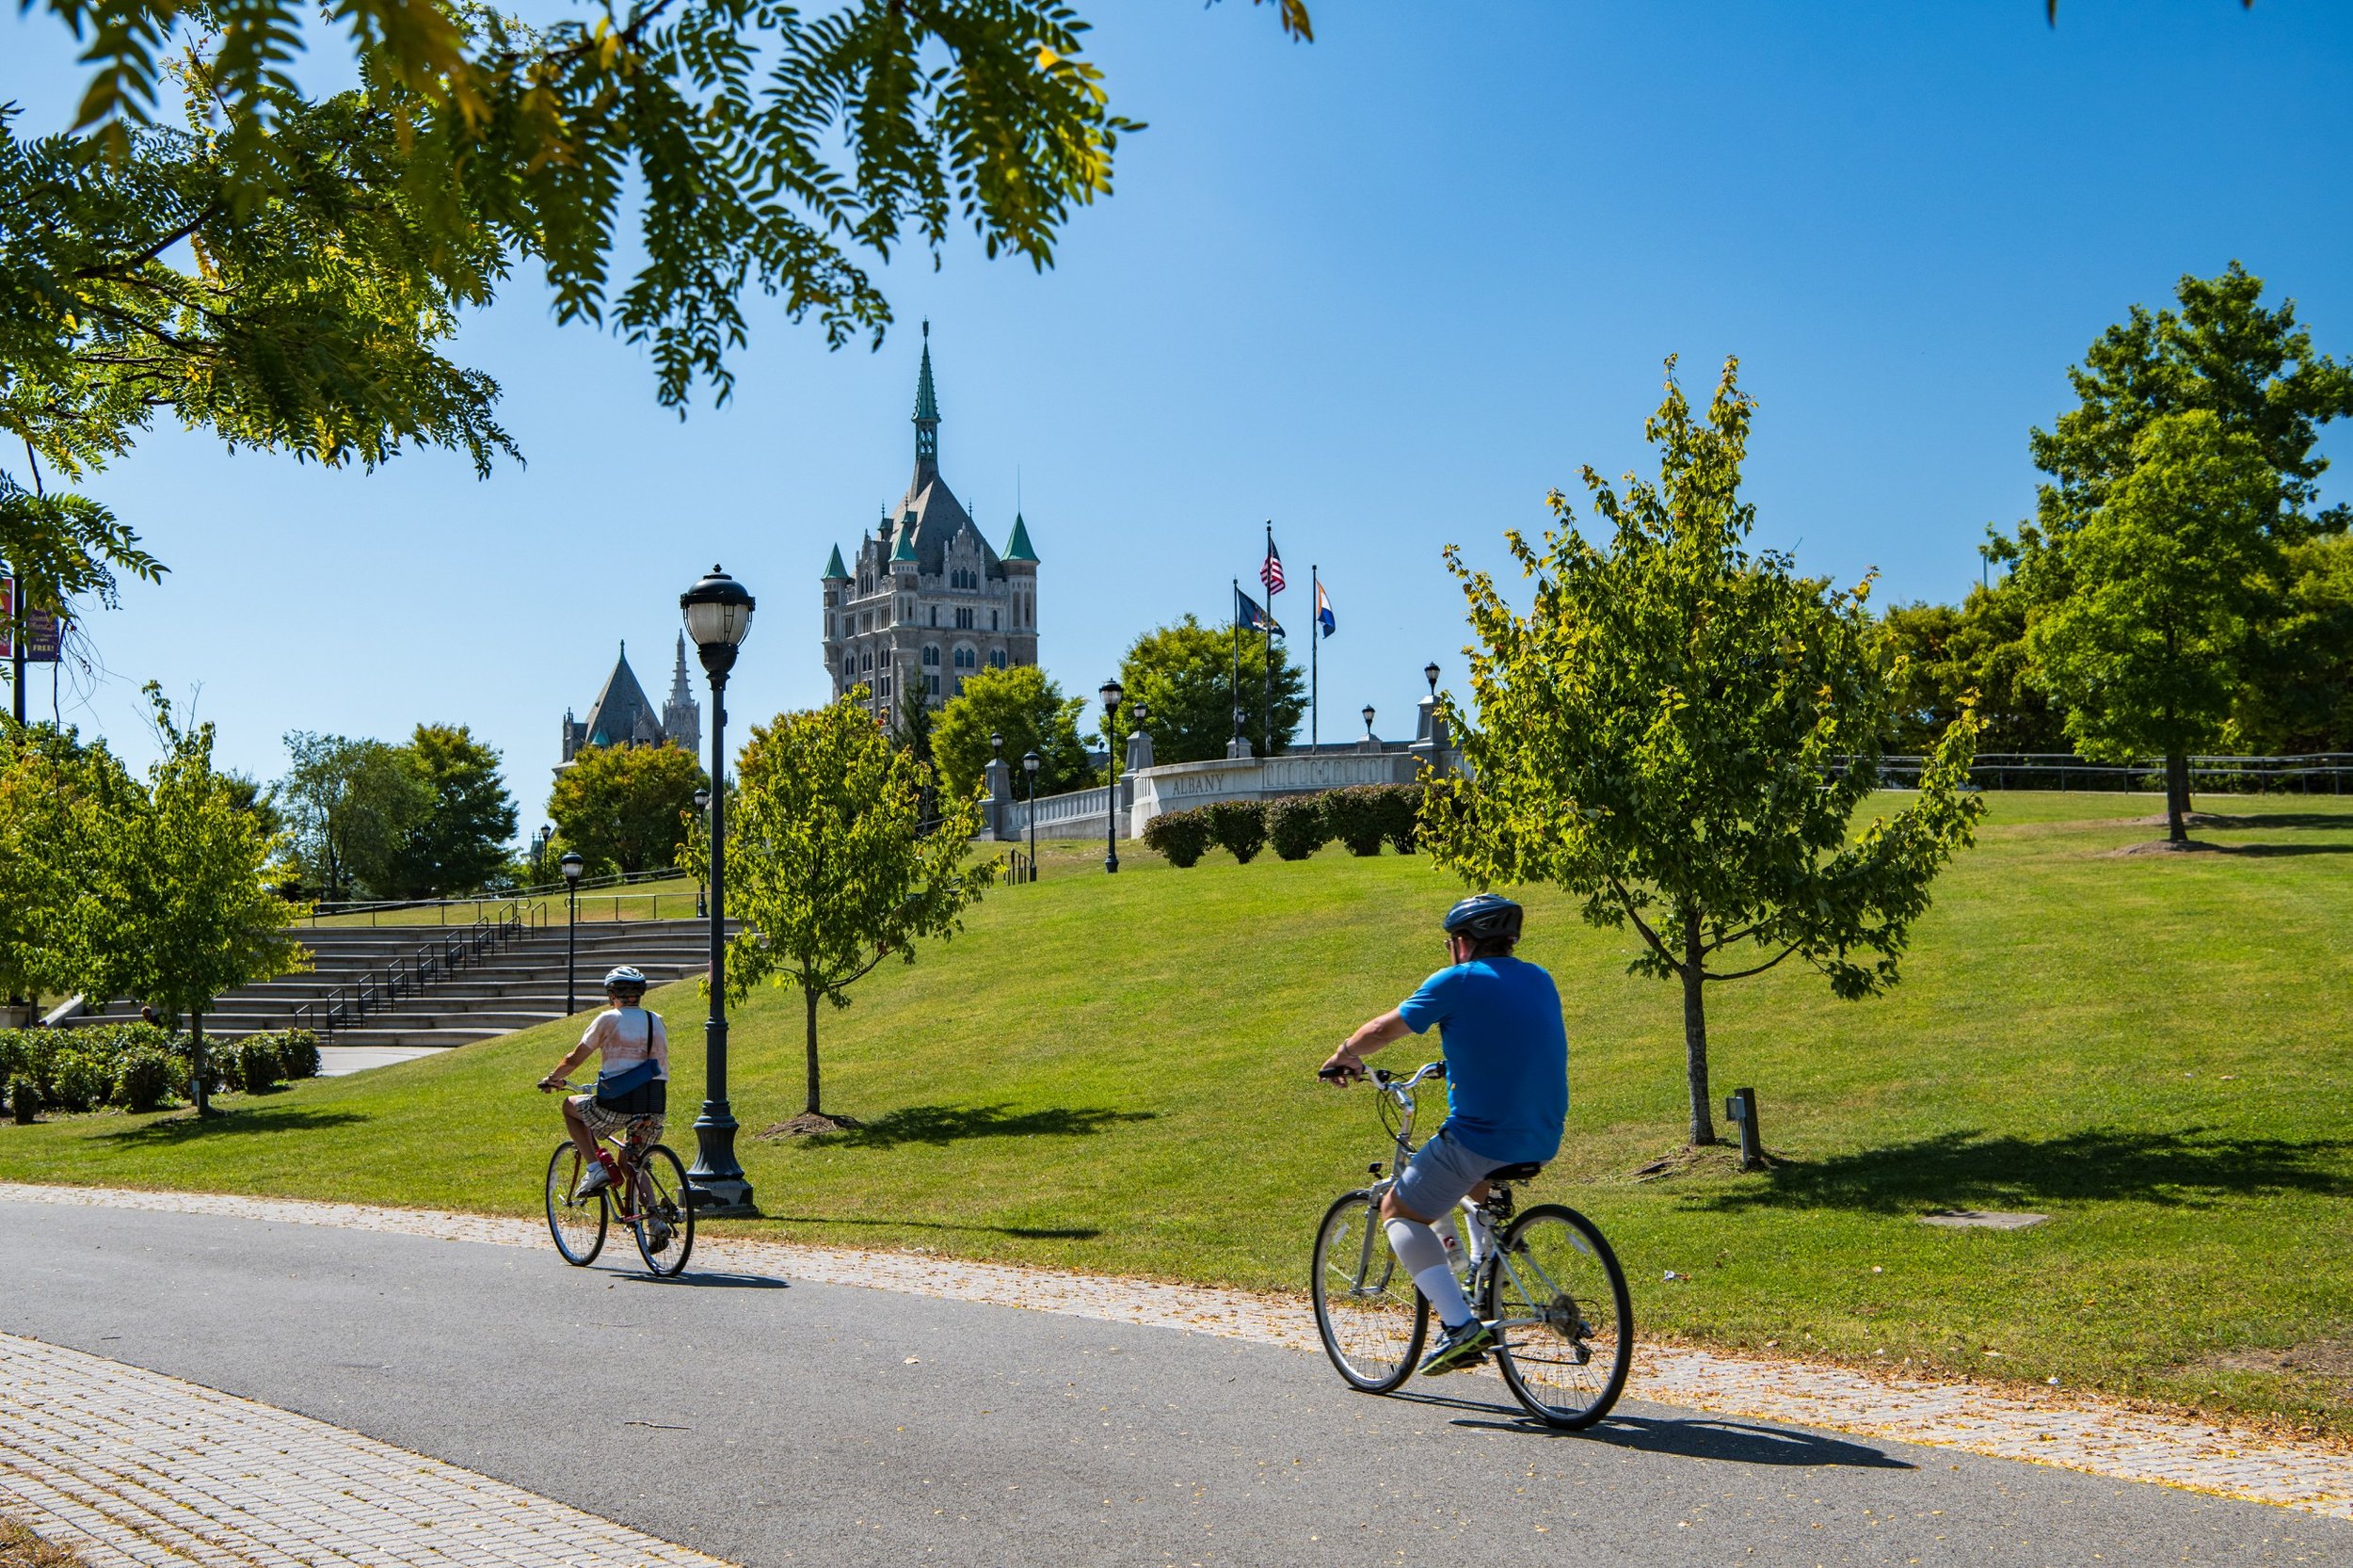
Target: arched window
992,620
867,662
931,655
849,665
966,659
996,658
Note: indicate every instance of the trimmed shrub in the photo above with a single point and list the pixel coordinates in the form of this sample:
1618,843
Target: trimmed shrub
24,1098
299,1049
1239,825
1183,837
1295,826
1400,809
146,1076
79,1078
253,1064
1358,816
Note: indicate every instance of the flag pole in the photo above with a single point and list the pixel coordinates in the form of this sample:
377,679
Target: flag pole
1315,650
1233,641
1268,701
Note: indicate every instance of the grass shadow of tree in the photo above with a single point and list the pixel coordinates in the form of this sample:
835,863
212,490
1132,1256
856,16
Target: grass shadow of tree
2193,1167
950,1124
242,1121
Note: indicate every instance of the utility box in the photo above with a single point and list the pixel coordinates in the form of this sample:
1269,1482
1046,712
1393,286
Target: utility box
1741,1110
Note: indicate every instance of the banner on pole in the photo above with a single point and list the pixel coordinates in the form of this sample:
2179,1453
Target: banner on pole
43,632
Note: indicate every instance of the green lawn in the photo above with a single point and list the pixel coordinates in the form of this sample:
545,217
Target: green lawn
1114,1074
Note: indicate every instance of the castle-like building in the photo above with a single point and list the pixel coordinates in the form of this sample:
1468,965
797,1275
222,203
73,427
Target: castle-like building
622,716
928,602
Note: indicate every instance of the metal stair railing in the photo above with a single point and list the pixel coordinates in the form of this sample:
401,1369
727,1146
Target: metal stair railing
379,991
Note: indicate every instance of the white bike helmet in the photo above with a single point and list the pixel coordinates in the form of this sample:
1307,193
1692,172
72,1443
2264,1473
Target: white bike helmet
625,979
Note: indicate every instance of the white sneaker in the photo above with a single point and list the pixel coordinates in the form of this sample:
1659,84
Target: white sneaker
595,1180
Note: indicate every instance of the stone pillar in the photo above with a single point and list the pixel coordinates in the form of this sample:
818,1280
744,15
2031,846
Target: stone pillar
997,810
1430,745
1237,749
1139,751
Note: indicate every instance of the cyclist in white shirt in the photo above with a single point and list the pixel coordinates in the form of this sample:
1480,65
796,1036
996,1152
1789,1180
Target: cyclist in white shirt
625,1036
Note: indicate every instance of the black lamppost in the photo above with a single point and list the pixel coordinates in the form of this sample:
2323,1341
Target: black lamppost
1111,692
573,865
1430,673
718,613
702,809
1029,766
539,853
1369,734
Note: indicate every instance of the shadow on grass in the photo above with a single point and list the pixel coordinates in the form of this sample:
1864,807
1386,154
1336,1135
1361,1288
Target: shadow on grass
1031,1233
2236,821
2194,1167
951,1124
2265,852
242,1121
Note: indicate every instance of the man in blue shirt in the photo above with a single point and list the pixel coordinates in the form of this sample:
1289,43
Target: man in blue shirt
1507,1089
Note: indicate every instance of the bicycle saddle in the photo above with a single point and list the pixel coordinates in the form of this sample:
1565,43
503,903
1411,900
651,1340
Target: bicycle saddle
1526,1170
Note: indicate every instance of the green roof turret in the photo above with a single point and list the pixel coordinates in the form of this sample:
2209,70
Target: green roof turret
834,571
926,411
907,547
1018,547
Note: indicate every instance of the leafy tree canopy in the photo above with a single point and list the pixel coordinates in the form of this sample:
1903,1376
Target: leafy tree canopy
460,843
829,867
2169,577
2297,695
1184,674
1683,733
625,808
1951,659
1026,707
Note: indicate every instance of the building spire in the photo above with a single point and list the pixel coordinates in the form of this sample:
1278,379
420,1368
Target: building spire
926,414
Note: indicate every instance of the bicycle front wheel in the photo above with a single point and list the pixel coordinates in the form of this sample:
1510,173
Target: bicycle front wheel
578,1226
663,1218
1372,1319
1564,1325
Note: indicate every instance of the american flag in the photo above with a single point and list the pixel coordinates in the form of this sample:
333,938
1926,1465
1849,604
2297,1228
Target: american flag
1272,573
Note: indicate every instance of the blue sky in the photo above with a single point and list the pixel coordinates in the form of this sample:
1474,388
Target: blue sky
1387,290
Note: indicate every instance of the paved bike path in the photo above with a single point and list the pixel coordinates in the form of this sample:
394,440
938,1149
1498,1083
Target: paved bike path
772,1423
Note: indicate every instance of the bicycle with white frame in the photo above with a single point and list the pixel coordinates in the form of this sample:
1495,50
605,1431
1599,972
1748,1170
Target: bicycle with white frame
1543,1278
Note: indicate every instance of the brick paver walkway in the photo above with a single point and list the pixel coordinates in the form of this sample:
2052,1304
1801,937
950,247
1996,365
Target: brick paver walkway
130,1467
2067,1429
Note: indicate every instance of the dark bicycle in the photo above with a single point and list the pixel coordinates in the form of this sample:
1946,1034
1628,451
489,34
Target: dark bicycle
651,1201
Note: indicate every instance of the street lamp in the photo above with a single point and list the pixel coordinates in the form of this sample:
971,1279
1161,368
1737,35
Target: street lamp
1111,692
1430,673
702,809
573,865
718,613
539,853
1369,734
1029,766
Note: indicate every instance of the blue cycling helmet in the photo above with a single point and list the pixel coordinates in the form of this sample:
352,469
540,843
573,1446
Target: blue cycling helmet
1484,917
625,979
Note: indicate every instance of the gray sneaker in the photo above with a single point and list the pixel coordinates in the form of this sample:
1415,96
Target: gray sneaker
1458,1347
592,1182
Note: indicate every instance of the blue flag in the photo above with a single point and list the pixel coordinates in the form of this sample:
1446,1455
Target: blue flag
1250,618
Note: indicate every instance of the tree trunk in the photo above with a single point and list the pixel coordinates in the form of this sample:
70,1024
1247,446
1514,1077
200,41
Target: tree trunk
1695,1035
198,1076
2176,797
811,997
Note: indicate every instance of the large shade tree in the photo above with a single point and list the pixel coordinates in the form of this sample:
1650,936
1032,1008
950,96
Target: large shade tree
1191,680
831,869
1684,733
1023,706
625,808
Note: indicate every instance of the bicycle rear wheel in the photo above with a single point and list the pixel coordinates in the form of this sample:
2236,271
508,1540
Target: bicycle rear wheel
578,1226
1372,1319
1565,1324
662,1216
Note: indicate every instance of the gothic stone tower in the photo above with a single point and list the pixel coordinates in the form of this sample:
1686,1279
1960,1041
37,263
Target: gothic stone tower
928,601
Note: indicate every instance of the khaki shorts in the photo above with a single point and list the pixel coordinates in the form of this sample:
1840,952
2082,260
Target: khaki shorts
601,1123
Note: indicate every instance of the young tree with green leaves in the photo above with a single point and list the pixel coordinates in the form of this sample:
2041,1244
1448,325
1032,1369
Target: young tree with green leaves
828,866
1683,732
2297,695
1183,673
2166,580
350,806
460,841
620,807
46,776
1971,657
1025,706
179,907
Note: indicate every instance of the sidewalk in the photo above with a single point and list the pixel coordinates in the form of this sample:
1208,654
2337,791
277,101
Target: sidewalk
130,1467
2061,1429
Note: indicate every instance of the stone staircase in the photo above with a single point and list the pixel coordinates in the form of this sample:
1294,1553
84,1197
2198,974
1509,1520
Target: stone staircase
469,996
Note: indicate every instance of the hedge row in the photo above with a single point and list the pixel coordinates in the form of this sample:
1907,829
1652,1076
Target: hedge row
1363,816
138,1067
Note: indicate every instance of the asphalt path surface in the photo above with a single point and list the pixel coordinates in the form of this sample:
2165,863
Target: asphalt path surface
770,1423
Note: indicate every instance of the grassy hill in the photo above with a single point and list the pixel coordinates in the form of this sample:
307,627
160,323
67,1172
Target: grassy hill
1114,1074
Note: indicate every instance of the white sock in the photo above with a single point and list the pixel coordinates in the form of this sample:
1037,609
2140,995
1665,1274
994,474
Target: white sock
1446,1296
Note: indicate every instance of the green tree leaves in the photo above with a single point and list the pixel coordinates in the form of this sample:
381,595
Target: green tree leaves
1184,673
827,863
1684,733
624,808
1028,708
